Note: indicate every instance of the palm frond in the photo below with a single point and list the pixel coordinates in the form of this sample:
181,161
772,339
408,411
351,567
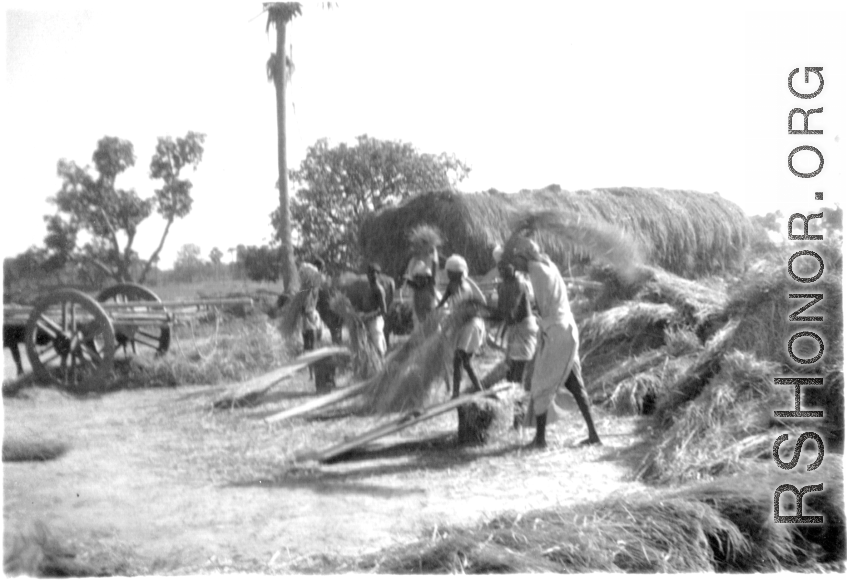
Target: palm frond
281,13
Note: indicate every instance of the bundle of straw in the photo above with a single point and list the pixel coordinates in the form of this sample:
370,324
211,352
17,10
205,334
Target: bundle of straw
602,242
629,320
366,359
407,377
718,526
692,382
696,301
760,300
424,238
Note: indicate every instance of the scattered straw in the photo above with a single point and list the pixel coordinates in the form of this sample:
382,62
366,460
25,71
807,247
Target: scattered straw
704,528
32,449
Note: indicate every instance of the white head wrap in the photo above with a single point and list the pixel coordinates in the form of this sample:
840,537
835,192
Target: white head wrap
497,253
420,269
456,263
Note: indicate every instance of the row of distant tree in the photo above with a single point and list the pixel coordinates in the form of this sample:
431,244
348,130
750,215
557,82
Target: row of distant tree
257,263
90,236
24,277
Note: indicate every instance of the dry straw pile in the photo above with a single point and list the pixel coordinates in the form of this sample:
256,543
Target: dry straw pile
700,356
684,232
713,527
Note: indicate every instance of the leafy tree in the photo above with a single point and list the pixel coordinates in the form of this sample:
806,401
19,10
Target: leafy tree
279,67
258,262
339,186
771,221
188,255
188,262
90,202
24,272
215,256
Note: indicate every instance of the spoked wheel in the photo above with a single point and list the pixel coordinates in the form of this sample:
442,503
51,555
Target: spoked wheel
141,329
70,340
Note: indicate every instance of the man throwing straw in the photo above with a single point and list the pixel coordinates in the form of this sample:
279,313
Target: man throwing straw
556,361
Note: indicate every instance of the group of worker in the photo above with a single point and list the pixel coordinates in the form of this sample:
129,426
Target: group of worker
542,342
316,307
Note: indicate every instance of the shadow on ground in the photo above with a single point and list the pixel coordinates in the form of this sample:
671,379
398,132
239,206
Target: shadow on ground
344,474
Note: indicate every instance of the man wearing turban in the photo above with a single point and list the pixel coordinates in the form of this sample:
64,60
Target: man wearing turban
556,363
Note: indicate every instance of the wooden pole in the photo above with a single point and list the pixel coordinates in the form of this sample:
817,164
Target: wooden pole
319,403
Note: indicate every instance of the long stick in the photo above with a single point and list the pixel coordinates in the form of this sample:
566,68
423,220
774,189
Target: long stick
258,385
319,403
396,425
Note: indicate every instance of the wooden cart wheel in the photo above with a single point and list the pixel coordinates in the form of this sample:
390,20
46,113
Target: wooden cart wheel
149,337
70,340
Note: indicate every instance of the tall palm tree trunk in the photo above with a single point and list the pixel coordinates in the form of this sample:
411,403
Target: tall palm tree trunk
289,269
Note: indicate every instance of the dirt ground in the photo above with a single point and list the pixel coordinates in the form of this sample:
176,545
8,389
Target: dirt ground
157,476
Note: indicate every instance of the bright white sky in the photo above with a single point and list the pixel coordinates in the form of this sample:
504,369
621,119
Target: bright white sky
599,94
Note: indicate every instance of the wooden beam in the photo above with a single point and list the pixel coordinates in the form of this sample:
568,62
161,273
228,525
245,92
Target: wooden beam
395,425
255,387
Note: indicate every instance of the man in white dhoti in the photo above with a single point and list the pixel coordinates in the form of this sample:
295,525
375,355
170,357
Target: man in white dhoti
556,361
472,335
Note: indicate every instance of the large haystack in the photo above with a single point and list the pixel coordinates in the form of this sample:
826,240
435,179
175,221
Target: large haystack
684,232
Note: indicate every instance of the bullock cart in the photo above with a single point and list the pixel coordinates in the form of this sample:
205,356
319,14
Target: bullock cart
71,338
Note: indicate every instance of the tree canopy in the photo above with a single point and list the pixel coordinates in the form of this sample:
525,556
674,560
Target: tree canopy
258,262
90,202
337,187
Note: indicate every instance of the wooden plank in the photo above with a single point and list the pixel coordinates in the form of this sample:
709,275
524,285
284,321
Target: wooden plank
397,425
258,385
319,403
25,310
178,303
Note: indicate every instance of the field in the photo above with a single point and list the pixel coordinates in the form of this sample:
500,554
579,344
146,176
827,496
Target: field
154,480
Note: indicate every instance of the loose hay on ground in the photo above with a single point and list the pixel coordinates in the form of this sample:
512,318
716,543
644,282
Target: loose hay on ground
722,427
760,301
692,382
633,384
38,552
31,448
719,526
